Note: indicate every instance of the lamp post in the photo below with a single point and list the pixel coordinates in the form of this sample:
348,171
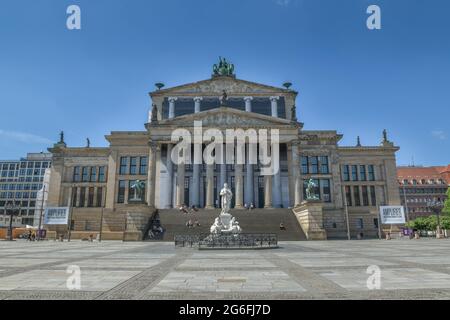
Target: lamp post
12,209
436,206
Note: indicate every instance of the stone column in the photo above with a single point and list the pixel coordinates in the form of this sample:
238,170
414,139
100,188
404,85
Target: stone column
296,175
94,204
249,191
274,105
169,166
196,184
197,104
239,186
277,196
172,107
268,191
151,178
209,186
180,184
248,104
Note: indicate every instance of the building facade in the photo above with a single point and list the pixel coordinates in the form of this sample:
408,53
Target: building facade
350,182
20,182
420,185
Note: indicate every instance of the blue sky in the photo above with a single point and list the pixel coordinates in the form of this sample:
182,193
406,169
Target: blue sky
95,80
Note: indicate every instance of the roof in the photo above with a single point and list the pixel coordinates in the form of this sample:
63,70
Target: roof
418,173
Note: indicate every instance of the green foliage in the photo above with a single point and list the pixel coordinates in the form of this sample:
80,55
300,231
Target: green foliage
446,209
429,223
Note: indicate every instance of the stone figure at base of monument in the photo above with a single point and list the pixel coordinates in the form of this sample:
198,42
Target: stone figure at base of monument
225,223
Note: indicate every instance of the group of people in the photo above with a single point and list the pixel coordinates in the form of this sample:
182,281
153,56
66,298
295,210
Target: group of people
31,235
249,207
185,209
191,224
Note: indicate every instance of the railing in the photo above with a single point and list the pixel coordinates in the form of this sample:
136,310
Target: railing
228,241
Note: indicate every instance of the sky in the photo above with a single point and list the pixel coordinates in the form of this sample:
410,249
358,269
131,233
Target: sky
351,79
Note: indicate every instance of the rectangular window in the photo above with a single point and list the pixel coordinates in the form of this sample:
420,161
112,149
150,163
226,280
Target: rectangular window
365,196
99,197
371,173
360,223
373,196
324,165
305,165
101,174
121,192
133,165
356,196
85,174
375,223
82,196
123,165
354,173
346,173
74,196
314,165
143,166
348,195
326,190
93,174
362,172
90,197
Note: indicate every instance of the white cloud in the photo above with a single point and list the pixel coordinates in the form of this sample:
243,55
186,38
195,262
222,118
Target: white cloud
283,3
24,137
439,134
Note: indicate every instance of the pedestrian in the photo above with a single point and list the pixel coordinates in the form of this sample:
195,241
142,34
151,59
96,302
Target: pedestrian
29,235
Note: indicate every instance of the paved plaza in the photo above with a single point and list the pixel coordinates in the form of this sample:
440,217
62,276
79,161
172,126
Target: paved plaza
410,269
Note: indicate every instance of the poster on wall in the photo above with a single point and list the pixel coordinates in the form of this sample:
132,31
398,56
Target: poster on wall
56,215
392,215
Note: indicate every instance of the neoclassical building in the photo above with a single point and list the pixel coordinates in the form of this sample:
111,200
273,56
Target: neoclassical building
117,188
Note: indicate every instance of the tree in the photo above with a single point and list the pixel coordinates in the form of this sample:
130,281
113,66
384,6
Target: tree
446,209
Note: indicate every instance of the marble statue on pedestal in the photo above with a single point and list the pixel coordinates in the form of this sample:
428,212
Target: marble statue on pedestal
225,223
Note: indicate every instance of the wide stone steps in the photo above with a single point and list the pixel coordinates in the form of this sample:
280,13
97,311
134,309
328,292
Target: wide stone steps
251,221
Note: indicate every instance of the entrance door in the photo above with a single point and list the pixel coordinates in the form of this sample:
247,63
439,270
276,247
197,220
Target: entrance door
261,192
186,191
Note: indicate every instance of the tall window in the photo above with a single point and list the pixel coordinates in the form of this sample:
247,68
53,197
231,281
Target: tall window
362,173
326,190
85,174
121,192
123,165
76,174
82,196
373,196
371,173
346,173
365,196
133,165
90,197
356,196
99,196
93,174
324,165
354,173
314,164
143,166
101,174
74,197
305,165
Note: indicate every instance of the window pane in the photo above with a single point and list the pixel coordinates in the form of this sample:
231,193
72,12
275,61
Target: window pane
356,196
123,165
85,173
354,173
99,196
324,165
304,161
373,196
365,196
91,197
346,173
326,191
121,192
133,165
362,172
93,174
82,196
372,173
101,174
314,165
143,166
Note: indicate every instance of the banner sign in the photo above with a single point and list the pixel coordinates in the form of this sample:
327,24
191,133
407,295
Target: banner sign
58,215
392,215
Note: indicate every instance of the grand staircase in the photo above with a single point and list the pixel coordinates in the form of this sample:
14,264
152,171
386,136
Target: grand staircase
251,221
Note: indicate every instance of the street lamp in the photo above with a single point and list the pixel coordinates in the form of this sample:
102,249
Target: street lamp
436,206
12,209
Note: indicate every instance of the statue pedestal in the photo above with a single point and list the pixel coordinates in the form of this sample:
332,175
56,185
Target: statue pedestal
310,217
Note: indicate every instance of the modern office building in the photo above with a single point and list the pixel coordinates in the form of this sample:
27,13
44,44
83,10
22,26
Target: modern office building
20,182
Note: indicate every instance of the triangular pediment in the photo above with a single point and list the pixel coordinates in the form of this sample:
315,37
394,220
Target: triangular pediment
228,117
216,85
